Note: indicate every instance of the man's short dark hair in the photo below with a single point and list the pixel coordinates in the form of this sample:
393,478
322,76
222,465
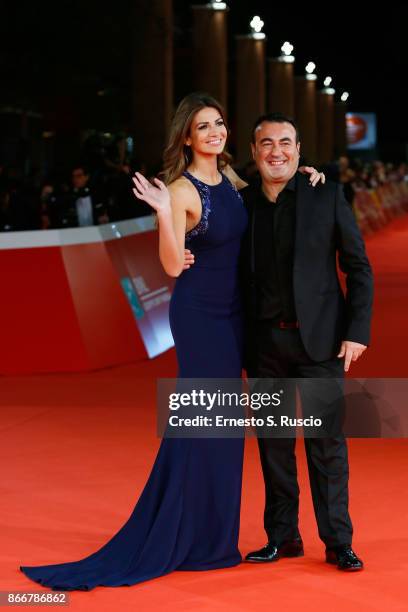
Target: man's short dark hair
82,167
275,118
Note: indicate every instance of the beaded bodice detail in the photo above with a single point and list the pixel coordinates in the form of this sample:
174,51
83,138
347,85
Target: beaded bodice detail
204,191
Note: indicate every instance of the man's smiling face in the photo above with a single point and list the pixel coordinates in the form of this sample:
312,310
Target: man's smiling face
276,151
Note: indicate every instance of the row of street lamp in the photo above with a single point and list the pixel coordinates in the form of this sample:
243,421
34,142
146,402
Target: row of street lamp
256,24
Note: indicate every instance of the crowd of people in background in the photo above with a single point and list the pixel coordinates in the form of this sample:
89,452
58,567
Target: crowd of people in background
355,175
98,189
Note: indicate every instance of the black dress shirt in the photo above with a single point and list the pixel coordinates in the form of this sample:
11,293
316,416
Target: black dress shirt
274,240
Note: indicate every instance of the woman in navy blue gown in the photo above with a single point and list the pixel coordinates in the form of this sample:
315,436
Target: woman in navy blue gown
187,517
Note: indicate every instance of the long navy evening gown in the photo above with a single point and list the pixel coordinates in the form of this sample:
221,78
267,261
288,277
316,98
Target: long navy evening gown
187,517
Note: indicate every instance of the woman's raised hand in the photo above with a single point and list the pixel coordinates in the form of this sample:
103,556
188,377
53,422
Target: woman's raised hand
315,175
157,197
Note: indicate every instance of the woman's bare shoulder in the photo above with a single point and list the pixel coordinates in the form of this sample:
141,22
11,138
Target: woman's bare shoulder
233,177
182,192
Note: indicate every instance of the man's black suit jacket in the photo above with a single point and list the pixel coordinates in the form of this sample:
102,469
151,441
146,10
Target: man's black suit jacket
325,230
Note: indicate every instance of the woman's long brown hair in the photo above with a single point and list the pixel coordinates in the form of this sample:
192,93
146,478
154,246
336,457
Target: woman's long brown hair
177,155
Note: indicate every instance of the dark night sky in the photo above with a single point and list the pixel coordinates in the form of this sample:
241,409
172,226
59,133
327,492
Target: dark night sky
77,47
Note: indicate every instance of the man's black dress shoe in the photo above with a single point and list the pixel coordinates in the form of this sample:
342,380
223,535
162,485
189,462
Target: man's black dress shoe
273,552
345,559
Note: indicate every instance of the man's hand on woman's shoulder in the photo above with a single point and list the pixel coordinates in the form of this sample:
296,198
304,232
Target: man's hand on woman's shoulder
314,175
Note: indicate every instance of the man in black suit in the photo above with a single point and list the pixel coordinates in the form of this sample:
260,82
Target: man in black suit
300,325
82,206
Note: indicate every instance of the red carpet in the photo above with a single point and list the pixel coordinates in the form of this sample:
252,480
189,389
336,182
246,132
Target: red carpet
76,450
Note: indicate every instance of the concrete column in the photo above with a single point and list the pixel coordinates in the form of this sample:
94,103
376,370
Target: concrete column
325,126
340,129
250,92
210,51
305,113
152,77
281,87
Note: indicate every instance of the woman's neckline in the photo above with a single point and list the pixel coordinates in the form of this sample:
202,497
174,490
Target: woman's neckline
203,182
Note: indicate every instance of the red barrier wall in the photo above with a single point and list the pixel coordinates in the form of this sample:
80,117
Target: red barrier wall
63,307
